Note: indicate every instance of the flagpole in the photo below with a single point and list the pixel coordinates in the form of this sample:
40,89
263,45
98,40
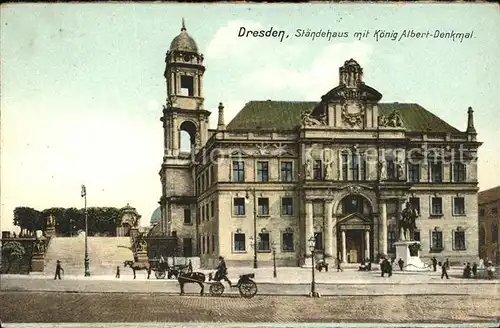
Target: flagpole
86,260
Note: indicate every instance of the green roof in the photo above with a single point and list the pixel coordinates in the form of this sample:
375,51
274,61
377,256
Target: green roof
286,115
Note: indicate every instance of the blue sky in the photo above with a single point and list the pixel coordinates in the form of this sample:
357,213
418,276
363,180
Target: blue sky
82,84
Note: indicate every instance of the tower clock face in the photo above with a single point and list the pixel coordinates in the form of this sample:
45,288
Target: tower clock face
187,58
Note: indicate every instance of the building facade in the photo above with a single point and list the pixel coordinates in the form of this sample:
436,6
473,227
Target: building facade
339,170
489,224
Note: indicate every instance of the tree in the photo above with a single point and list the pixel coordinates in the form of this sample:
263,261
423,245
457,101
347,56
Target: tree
12,251
26,218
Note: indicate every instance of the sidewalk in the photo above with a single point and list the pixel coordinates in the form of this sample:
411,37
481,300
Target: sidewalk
290,276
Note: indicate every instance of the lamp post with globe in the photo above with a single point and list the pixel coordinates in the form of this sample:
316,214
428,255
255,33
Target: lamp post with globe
312,244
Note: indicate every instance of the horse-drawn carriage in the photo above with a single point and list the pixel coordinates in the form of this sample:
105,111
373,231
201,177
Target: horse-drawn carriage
162,269
246,286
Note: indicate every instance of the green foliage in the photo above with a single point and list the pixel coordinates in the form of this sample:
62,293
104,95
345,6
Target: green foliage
69,220
12,251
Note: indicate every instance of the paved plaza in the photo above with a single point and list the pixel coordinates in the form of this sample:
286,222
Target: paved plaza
115,307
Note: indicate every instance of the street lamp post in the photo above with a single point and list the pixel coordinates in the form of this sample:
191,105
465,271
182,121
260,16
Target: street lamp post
86,260
247,196
312,244
274,260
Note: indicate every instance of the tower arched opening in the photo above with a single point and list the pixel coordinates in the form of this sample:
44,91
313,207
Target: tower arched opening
187,138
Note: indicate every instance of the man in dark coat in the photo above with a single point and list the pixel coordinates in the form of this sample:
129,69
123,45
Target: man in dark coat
190,267
474,269
444,271
117,271
221,272
401,263
58,270
434,263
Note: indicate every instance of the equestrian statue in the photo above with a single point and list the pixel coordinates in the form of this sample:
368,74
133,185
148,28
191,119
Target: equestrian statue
408,224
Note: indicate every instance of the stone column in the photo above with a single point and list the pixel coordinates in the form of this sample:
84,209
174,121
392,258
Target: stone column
172,84
200,77
383,223
344,251
367,244
334,236
329,229
309,225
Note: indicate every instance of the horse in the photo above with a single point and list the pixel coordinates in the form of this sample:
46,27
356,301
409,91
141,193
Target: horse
191,277
138,266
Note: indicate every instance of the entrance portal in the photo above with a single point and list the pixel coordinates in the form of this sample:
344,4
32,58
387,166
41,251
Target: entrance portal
354,246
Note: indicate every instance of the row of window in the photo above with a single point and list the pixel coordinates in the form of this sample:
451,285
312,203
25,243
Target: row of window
353,169
436,240
206,244
239,208
205,179
264,242
458,205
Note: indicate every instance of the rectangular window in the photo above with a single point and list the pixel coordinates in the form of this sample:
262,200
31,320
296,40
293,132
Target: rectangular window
207,246
345,166
287,206
458,206
363,168
318,236
286,172
437,240
202,213
354,168
436,171
239,206
318,170
198,185
239,242
414,173
287,242
202,182
238,171
212,208
459,172
391,169
437,206
187,85
207,212
187,245
391,239
459,240
207,181
263,206
415,204
264,242
187,216
213,244
262,171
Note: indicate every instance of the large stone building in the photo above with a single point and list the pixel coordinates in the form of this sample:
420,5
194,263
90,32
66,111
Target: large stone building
340,169
489,224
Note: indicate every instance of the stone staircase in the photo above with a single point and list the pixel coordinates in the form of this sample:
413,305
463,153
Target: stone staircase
105,254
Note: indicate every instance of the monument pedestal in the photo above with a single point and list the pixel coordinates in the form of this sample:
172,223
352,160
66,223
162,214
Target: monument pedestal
37,262
142,256
407,251
51,231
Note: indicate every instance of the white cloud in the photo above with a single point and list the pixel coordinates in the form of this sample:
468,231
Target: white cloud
226,43
311,81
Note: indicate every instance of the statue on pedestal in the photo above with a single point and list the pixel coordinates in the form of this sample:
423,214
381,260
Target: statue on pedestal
408,224
308,168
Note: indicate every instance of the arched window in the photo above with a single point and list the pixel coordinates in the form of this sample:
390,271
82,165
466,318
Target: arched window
352,204
494,233
482,236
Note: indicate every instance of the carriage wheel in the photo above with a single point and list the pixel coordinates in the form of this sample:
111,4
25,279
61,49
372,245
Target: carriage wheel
216,289
248,289
160,274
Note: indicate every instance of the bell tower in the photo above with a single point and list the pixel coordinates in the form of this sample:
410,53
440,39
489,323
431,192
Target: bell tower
185,131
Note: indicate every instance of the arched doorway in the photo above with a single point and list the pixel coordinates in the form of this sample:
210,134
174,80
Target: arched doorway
187,137
354,229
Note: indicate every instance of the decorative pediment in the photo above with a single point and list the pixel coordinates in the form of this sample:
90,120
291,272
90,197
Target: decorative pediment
391,121
354,219
310,120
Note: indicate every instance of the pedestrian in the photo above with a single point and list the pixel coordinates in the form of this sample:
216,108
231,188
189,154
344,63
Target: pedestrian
117,272
400,263
434,263
474,269
444,271
190,267
58,270
338,265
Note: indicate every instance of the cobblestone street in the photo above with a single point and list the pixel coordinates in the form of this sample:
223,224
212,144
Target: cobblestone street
113,307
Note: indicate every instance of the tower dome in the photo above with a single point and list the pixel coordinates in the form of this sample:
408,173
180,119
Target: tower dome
156,216
183,42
